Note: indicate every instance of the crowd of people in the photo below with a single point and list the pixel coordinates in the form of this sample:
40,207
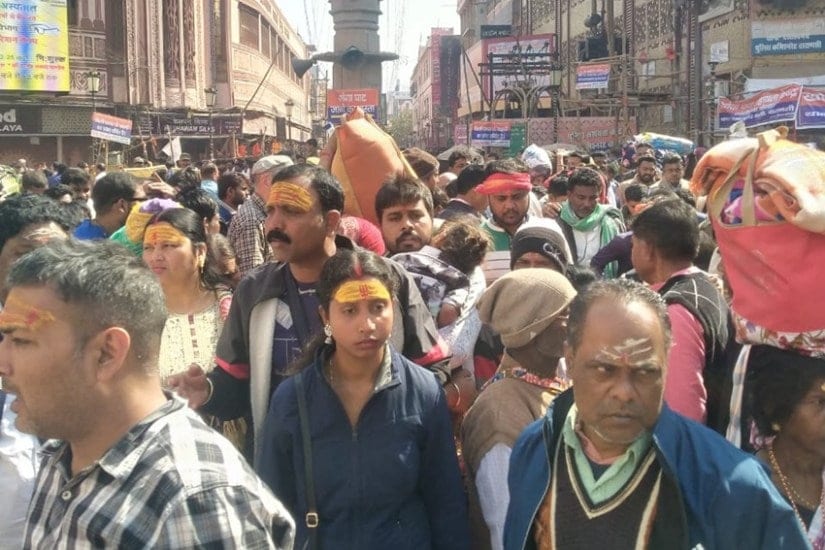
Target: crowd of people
543,351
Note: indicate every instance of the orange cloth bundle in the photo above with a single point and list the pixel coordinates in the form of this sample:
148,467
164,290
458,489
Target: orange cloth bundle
788,178
365,158
766,201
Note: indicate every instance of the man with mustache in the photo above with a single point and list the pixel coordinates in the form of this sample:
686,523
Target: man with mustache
611,462
588,225
404,207
246,230
672,171
274,312
507,188
647,173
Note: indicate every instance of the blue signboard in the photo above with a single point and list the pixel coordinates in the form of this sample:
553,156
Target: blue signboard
788,37
491,134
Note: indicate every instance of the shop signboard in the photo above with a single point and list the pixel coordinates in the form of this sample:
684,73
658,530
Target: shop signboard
15,119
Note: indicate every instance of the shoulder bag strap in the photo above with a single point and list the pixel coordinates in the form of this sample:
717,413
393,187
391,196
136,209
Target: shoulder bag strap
311,517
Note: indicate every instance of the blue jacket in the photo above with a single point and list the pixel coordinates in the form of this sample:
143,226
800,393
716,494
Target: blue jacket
728,499
392,483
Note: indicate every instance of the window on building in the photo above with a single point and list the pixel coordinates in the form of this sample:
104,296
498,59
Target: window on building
249,26
266,31
273,44
72,16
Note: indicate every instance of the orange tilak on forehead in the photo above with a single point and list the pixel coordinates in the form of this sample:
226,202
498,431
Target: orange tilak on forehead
17,315
284,193
163,232
354,291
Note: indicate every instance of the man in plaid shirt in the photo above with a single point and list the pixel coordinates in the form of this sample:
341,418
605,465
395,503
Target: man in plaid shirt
246,232
127,465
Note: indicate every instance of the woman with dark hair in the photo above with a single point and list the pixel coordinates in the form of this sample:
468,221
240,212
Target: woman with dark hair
202,203
197,297
371,464
787,399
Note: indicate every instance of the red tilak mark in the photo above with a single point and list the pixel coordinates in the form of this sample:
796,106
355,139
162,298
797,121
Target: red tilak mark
364,291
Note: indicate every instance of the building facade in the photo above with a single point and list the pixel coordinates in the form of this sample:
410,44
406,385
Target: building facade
434,86
156,59
670,61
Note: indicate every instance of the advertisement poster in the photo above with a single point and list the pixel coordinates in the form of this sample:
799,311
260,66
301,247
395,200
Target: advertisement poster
777,105
341,102
34,46
491,134
111,128
592,77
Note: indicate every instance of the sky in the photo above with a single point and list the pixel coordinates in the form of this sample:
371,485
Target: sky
404,25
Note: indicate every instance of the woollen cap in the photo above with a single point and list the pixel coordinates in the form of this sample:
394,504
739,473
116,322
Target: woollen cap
522,304
542,240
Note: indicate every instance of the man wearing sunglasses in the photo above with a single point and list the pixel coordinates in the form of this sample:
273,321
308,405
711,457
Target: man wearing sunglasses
113,196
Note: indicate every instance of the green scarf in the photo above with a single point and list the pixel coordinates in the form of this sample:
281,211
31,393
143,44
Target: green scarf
607,218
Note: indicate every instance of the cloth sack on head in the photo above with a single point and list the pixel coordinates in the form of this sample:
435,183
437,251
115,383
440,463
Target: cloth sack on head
536,156
365,158
773,265
522,304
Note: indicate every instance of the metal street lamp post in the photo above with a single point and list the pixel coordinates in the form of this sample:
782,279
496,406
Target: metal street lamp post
555,85
211,98
289,105
93,85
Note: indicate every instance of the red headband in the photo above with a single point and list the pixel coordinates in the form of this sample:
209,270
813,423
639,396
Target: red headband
503,183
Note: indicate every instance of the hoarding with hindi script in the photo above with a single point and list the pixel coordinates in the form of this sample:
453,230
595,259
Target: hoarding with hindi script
341,102
34,46
111,128
767,107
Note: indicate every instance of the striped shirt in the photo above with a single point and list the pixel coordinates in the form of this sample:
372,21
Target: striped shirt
170,482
